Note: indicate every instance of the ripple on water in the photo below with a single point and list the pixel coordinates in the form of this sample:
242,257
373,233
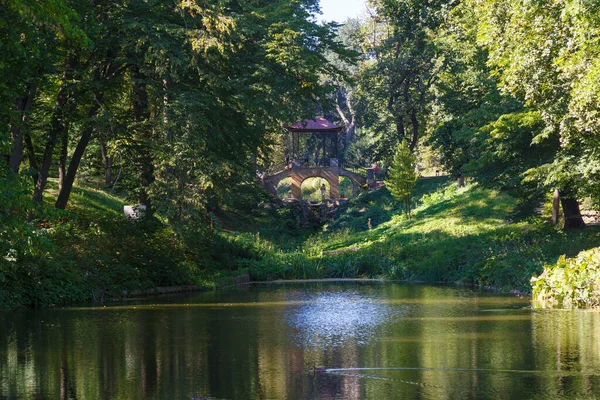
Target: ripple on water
331,319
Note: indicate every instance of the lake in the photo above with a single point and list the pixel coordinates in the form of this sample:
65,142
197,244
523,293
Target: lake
303,341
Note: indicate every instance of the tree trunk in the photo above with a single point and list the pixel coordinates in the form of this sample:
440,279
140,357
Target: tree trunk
108,163
571,212
16,149
415,130
141,115
31,156
350,131
400,128
165,102
69,178
21,108
62,157
555,207
100,74
56,126
350,124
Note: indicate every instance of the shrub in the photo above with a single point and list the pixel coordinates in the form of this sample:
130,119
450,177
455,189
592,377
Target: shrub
571,282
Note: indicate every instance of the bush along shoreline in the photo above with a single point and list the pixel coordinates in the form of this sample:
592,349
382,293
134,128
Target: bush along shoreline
570,282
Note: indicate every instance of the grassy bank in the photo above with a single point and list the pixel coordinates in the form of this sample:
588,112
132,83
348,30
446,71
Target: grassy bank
456,234
90,253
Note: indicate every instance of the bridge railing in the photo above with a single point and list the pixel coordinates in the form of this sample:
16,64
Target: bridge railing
277,168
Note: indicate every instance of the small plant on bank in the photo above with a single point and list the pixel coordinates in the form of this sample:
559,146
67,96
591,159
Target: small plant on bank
402,175
571,282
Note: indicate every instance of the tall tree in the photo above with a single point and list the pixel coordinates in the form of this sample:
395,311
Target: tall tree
407,63
28,30
544,54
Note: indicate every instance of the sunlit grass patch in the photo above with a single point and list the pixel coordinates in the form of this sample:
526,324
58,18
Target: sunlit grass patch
284,188
456,234
311,189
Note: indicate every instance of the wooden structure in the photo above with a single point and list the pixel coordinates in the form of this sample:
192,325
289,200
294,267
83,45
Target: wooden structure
319,138
299,174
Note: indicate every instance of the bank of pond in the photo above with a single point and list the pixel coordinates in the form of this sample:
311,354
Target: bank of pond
471,235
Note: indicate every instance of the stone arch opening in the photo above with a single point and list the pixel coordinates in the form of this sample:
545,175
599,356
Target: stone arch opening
310,188
331,175
356,179
347,187
284,188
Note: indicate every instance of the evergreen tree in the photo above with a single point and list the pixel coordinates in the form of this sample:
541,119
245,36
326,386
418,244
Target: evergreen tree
402,175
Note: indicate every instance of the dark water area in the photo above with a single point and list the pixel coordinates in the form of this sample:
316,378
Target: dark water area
368,340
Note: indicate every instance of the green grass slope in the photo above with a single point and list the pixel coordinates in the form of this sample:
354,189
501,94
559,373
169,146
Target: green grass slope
90,253
456,234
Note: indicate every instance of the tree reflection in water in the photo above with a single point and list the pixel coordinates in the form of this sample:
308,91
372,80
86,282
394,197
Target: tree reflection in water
414,341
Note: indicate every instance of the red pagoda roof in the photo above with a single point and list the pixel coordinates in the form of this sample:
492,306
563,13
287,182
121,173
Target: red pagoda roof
319,124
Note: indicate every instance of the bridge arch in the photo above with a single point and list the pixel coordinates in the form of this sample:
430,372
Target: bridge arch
331,175
299,175
284,188
305,186
272,182
356,179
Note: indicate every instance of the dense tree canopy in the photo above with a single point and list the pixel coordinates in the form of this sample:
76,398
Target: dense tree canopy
178,102
183,93
502,91
545,54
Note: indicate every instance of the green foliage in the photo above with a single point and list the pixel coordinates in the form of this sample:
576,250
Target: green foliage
456,234
402,175
570,282
355,215
545,54
91,253
361,151
501,160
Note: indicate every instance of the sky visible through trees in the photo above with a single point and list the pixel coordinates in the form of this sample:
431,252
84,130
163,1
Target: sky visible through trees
341,10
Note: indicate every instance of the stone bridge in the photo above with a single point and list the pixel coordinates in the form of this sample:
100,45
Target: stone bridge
299,175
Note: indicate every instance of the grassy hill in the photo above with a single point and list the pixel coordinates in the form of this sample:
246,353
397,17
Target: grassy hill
91,253
456,234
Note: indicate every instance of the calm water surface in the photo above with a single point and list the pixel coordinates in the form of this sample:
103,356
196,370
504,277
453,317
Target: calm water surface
373,341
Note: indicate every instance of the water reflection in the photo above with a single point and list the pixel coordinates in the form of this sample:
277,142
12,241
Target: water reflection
331,319
375,341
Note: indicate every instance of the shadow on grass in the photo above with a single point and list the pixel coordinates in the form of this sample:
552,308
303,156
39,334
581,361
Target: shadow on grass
465,236
372,209
87,202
